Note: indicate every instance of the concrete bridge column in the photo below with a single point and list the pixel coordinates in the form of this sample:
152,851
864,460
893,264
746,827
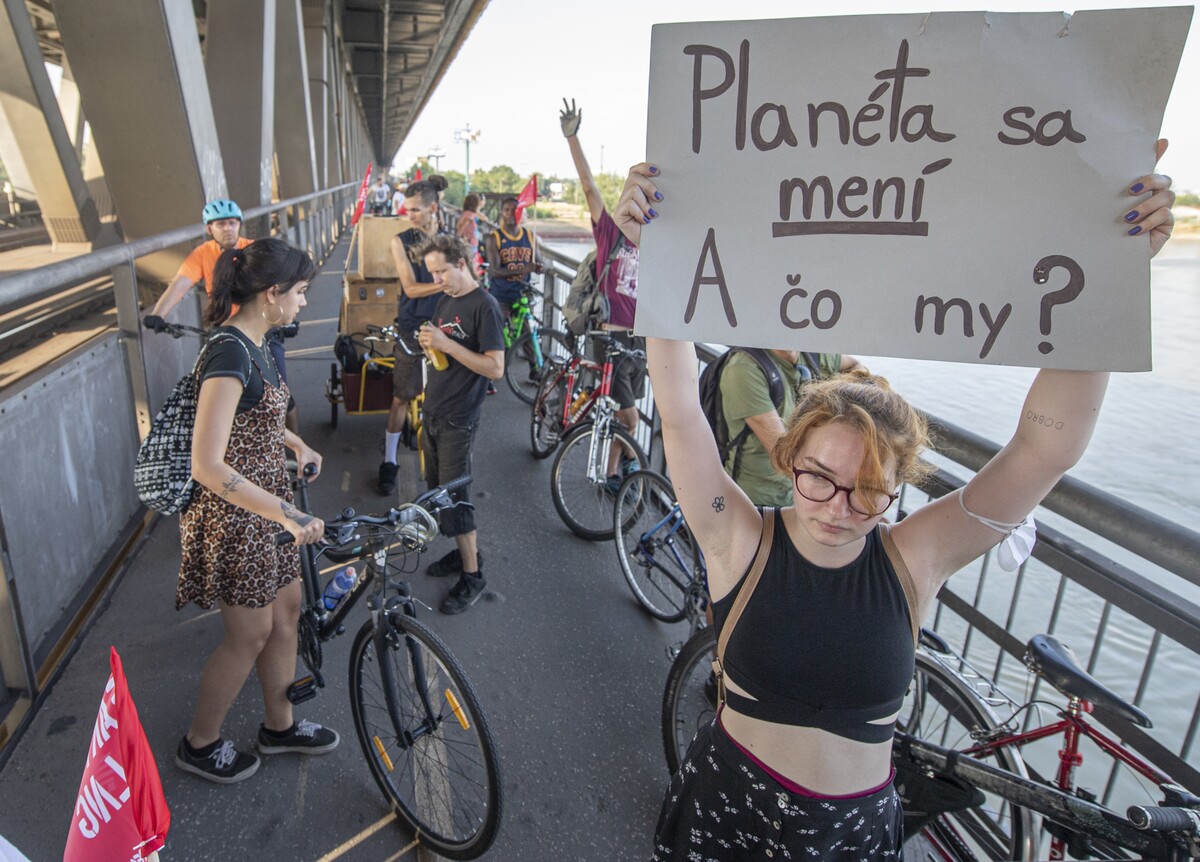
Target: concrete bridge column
141,78
239,63
38,144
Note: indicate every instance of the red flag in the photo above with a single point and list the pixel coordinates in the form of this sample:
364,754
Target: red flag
417,176
528,196
362,196
120,814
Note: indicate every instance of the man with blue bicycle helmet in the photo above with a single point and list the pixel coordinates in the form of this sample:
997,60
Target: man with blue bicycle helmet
223,224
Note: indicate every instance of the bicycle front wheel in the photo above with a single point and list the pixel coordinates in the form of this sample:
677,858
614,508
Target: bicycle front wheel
657,551
943,708
584,503
527,358
425,737
690,697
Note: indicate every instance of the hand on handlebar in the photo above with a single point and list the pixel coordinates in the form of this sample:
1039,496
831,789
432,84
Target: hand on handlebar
306,529
155,323
309,461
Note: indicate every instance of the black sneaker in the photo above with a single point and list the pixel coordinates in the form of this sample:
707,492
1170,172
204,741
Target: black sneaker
219,762
464,594
387,477
451,564
305,737
491,388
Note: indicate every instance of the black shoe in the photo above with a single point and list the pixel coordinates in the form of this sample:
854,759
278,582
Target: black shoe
387,477
491,388
305,737
451,564
464,594
219,762
407,438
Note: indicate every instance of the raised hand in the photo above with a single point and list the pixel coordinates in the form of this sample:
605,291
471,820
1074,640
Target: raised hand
569,118
1153,215
634,208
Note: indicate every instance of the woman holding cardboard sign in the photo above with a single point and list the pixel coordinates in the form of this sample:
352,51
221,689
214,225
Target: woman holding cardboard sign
819,605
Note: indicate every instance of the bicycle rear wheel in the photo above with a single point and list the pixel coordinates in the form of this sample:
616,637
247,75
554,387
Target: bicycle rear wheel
657,551
942,707
527,358
690,696
545,420
437,767
584,504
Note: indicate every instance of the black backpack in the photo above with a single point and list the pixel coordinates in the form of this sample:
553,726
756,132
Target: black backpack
711,401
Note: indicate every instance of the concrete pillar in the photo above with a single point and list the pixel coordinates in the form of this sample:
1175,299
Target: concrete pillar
316,47
293,108
41,145
142,81
239,64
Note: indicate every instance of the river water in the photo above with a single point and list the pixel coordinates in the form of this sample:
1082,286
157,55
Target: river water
1143,451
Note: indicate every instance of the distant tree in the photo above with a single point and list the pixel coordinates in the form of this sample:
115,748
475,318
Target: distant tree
1188,200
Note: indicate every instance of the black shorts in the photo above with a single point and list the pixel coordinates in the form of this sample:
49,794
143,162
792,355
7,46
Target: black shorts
722,805
629,375
448,445
407,382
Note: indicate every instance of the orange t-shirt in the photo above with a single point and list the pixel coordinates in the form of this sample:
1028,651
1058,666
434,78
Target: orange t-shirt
198,265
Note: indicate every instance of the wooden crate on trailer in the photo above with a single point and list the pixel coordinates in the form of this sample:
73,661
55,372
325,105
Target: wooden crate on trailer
374,235
367,300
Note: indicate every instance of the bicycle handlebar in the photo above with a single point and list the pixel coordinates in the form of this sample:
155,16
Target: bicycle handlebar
1181,821
418,517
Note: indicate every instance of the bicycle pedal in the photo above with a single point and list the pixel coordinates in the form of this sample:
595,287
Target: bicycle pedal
302,690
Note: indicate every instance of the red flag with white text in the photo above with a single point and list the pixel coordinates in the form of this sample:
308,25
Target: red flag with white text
362,196
120,814
527,197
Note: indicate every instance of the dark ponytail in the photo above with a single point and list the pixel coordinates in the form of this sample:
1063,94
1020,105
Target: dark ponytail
243,273
428,188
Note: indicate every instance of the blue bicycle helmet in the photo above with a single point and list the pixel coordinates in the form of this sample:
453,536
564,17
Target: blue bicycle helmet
219,209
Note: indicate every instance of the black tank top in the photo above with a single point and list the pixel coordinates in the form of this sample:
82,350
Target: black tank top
825,648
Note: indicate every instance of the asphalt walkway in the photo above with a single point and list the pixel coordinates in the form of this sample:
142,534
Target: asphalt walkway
569,670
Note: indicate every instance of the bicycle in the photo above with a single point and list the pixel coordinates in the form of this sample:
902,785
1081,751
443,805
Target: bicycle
968,794
417,716
528,347
579,478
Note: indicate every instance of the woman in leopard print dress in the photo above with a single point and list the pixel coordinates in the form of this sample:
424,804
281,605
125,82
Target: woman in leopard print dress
229,555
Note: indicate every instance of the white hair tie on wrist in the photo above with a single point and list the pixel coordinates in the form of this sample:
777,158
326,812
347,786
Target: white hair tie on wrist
1018,540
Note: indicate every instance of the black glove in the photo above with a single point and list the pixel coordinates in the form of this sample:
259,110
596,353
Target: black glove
156,323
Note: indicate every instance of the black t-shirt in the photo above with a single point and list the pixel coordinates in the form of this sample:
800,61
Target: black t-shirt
457,393
414,312
243,359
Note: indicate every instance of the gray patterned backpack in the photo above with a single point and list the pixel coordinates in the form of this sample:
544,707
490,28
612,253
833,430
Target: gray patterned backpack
162,473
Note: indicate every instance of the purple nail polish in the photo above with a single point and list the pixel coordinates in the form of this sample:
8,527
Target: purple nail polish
645,220
1131,215
653,169
1134,231
1136,187
653,214
658,196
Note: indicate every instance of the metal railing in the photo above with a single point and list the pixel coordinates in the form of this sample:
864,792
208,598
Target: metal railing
83,470
1128,620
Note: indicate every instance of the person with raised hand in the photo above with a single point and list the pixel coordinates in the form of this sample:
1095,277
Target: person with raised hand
819,604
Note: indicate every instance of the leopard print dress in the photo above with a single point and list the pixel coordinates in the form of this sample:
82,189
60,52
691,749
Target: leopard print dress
230,553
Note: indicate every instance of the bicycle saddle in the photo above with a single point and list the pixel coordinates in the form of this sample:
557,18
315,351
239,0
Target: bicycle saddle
1056,662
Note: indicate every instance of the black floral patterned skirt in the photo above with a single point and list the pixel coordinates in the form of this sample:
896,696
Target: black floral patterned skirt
722,806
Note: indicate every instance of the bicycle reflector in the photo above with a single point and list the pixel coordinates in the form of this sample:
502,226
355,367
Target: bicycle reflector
383,755
456,707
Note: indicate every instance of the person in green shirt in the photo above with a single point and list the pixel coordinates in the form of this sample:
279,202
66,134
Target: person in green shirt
746,401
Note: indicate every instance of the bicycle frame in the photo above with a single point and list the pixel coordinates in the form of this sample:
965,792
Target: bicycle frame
1072,725
695,590
1059,806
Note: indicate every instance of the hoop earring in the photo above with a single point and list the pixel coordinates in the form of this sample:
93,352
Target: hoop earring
272,322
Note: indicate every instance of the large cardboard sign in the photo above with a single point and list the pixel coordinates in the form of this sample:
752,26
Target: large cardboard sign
944,186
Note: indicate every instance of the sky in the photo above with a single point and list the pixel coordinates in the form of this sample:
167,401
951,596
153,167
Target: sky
524,56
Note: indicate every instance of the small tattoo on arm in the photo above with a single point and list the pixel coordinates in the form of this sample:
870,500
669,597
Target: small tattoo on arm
231,484
1048,422
718,504
293,514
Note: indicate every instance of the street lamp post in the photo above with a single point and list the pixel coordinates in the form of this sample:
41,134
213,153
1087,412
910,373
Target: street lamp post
467,136
436,154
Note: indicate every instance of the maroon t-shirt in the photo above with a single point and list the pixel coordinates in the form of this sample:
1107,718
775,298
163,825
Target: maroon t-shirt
620,282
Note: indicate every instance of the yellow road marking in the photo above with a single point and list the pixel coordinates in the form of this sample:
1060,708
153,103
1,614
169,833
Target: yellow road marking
348,845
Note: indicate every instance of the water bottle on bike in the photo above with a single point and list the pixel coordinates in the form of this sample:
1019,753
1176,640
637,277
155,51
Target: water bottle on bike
337,588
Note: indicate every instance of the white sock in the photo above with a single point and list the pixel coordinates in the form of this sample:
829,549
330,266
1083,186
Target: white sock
390,443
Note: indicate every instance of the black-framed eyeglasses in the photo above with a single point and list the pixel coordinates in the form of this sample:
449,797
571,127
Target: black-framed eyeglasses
821,489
